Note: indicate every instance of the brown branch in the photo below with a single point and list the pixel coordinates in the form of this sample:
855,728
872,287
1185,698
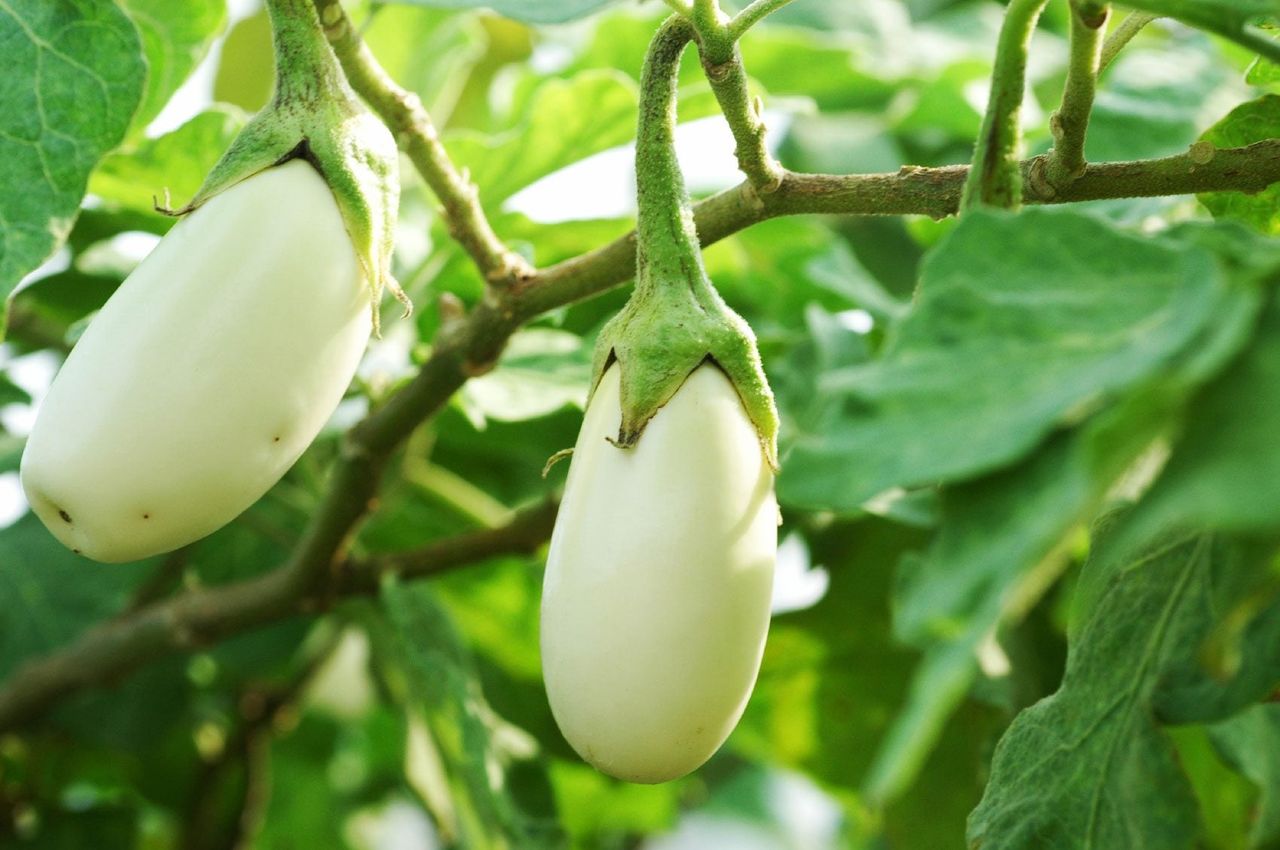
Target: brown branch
933,192
197,618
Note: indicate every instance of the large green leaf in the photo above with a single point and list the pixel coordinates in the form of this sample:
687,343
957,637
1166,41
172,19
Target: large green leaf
1002,542
568,120
1090,766
75,74
1001,545
176,37
1021,324
533,11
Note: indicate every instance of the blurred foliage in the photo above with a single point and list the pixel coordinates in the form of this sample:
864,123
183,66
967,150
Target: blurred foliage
1031,456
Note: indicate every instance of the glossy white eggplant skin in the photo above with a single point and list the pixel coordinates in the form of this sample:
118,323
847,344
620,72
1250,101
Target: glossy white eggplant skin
655,604
205,375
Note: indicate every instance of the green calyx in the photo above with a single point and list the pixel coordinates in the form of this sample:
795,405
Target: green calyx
675,320
668,329
314,115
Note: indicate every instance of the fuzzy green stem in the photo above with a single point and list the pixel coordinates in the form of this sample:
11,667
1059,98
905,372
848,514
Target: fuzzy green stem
307,71
675,320
752,15
667,242
995,179
705,13
1071,122
712,31
1123,34
743,113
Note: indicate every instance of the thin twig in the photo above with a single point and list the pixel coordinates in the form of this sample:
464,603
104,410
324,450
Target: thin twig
403,112
995,178
1122,35
752,15
728,80
1070,122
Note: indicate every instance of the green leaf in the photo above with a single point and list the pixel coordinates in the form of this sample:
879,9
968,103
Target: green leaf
1231,19
246,67
826,691
594,808
559,131
175,37
11,452
1090,767
76,74
1225,798
11,393
169,169
836,75
459,45
1238,664
533,11
541,371
1002,346
1001,545
1087,767
994,531
442,680
1249,741
1263,73
1225,471
50,595
309,801
1247,123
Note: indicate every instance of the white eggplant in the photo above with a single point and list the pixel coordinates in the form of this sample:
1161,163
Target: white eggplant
206,374
656,598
